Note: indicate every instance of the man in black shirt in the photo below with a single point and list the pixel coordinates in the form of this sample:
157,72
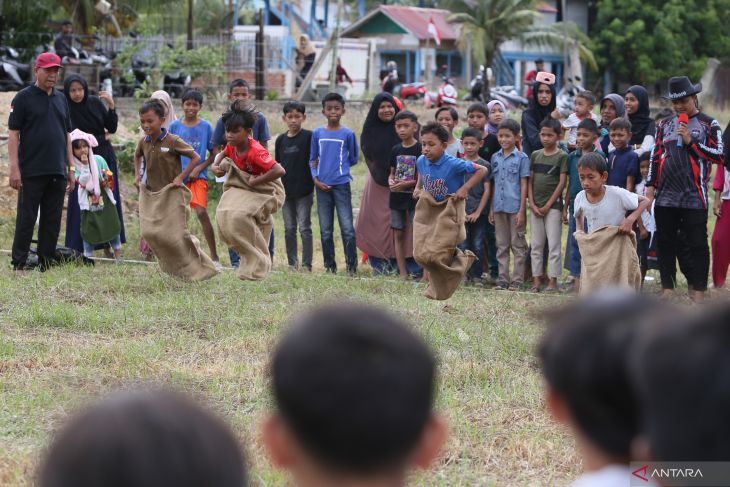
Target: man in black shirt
292,152
41,169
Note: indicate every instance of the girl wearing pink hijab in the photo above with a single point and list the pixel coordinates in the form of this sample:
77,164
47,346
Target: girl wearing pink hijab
99,219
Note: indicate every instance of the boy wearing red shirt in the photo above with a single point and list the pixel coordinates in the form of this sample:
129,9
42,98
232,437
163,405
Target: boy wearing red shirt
249,155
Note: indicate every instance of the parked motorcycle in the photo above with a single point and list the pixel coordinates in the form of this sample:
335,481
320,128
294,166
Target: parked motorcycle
509,96
410,91
14,75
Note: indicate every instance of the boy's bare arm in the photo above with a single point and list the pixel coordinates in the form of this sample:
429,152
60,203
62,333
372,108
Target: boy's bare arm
478,175
579,223
531,196
630,183
419,188
627,226
137,170
178,181
276,171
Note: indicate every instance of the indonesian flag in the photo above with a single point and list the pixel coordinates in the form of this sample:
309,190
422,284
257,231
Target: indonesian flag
434,31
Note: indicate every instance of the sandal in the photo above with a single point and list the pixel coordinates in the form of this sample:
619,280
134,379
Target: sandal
551,290
535,289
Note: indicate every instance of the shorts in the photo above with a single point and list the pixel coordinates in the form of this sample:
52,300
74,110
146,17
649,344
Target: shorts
199,188
399,219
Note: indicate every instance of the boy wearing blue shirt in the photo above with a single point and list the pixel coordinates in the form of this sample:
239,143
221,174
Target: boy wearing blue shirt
198,133
510,175
623,163
334,149
441,174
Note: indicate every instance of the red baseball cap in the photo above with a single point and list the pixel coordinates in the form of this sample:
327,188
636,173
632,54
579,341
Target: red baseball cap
48,60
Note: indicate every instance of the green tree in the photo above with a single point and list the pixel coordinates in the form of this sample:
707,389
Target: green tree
563,35
642,41
486,24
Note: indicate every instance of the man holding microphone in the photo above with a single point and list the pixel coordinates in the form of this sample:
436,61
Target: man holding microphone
686,146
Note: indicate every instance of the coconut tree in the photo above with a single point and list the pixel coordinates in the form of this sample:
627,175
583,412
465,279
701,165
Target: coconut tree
563,35
486,24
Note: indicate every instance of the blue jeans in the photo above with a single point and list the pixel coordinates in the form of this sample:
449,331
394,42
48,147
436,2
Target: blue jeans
116,244
475,234
573,252
339,198
236,259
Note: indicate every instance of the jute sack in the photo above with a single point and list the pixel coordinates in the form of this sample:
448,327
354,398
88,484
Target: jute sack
163,222
609,259
438,227
245,219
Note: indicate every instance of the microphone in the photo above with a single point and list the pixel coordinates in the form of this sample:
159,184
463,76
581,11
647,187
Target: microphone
683,118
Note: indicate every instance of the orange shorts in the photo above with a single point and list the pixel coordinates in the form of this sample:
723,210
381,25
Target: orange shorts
199,188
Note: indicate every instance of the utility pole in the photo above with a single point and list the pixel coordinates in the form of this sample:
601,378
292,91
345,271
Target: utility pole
190,24
260,72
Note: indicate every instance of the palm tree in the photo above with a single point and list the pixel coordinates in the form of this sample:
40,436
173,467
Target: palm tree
563,35
486,24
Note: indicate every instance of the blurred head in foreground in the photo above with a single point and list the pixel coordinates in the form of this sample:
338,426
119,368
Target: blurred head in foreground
144,439
354,391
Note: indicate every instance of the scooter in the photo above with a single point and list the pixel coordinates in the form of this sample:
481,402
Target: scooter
410,91
176,82
447,94
476,86
509,96
14,75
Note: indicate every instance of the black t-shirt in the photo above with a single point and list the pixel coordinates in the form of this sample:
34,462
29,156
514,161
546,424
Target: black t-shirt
293,154
403,160
489,148
44,123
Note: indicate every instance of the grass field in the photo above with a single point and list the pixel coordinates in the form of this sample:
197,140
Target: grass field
72,334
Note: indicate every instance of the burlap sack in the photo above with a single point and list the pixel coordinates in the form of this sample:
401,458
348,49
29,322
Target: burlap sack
438,227
163,222
245,219
609,259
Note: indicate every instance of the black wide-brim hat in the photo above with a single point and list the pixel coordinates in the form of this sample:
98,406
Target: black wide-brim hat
681,87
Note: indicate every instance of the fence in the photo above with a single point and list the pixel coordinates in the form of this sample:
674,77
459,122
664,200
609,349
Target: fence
239,52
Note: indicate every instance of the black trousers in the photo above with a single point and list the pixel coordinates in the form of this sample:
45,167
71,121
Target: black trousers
46,193
682,234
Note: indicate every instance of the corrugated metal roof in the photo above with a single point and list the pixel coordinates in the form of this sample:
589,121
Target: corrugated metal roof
415,20
546,8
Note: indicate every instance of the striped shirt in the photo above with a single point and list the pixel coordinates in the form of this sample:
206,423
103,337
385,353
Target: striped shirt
680,173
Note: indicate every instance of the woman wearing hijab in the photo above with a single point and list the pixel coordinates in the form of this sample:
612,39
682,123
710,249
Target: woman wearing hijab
166,101
96,117
373,231
612,107
305,57
542,105
643,129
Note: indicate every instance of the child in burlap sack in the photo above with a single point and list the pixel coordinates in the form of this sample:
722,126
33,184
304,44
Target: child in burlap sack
440,212
260,178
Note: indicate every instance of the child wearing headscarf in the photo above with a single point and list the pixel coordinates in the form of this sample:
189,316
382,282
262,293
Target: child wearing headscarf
612,107
98,225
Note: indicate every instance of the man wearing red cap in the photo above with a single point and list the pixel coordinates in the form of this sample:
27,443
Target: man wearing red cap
687,145
41,168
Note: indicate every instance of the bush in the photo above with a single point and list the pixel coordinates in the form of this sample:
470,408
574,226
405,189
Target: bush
201,61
